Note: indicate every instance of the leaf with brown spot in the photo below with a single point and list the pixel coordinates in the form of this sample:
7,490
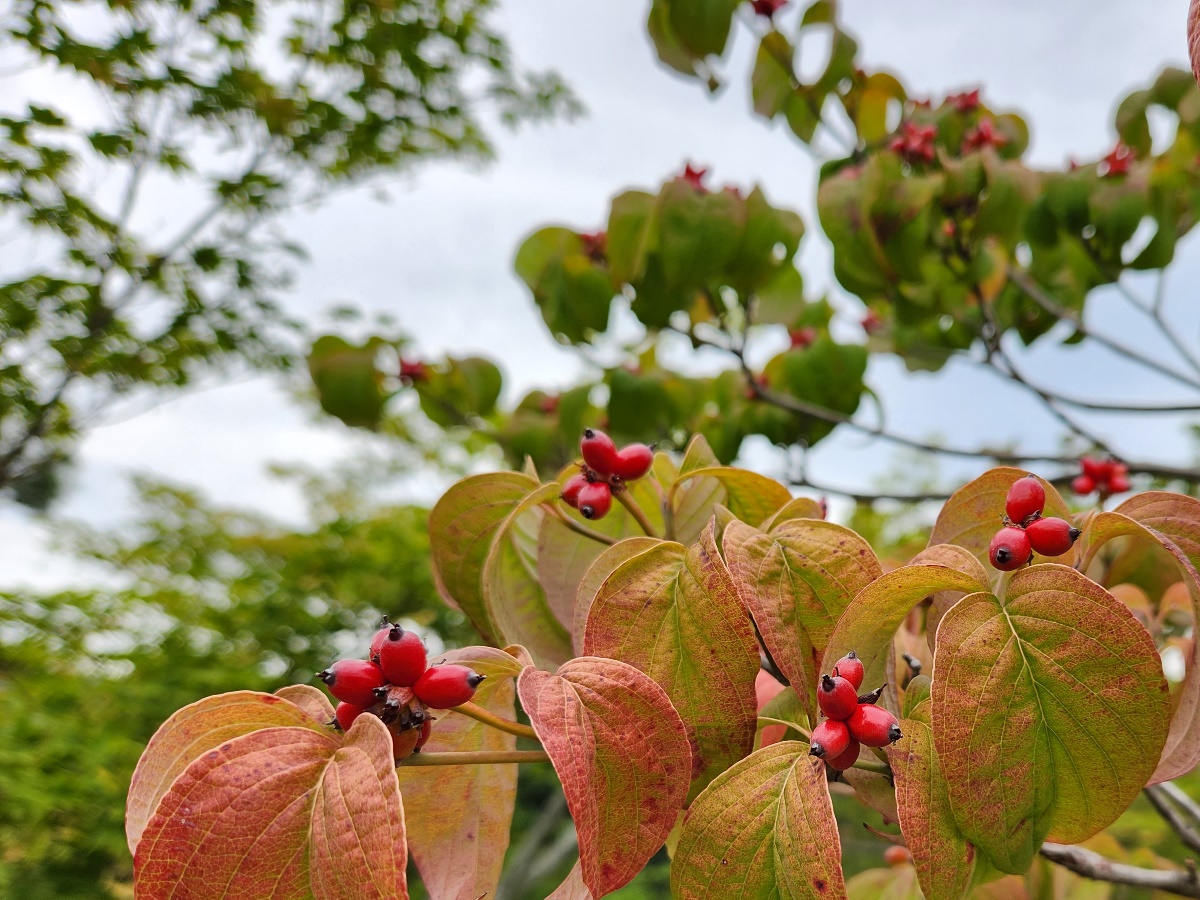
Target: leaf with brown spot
621,752
657,611
312,700
944,858
458,817
868,623
285,813
973,514
193,731
1172,520
603,566
764,829
796,582
1049,712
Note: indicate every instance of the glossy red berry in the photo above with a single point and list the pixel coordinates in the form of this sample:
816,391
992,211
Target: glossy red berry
829,740
837,697
599,452
444,687
346,713
1096,469
850,667
595,500
570,491
404,743
1026,499
1009,549
1118,484
633,461
353,681
1052,536
846,758
402,657
1083,485
378,639
423,737
873,726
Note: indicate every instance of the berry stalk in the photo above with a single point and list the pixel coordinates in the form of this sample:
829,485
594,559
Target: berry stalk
636,511
479,714
475,758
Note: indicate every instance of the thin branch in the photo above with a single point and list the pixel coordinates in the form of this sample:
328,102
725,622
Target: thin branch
1190,806
1038,295
577,527
636,511
862,497
1093,865
1176,818
479,714
475,758
1154,312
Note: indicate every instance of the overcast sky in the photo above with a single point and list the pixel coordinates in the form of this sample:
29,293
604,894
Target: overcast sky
438,254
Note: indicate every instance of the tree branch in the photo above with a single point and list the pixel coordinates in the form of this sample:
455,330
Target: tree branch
1098,868
1174,816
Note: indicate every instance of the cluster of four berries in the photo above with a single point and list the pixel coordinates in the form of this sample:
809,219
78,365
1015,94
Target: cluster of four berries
606,469
853,721
1026,531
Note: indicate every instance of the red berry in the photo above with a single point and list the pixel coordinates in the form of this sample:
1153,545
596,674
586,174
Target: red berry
570,491
633,461
599,452
1026,499
346,713
423,737
873,726
402,657
850,667
378,639
444,687
1010,549
1083,485
1118,484
896,855
404,743
1052,536
353,681
837,697
846,758
1096,469
829,740
595,500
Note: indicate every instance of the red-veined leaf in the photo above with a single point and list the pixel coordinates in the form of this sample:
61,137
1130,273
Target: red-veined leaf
313,701
764,829
622,755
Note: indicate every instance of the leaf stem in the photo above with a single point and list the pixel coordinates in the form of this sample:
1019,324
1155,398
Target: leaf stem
636,511
475,758
577,527
479,714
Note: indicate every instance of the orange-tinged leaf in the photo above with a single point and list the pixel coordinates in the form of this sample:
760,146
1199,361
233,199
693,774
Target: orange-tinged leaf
284,813
749,496
796,581
764,829
1174,521
972,515
1193,37
572,887
868,623
192,732
943,857
657,611
458,817
622,755
461,527
313,701
603,566
1049,712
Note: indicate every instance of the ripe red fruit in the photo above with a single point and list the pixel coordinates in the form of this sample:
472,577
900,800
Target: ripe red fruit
1083,485
570,491
837,697
1026,499
599,452
378,639
1096,469
633,461
346,713
1118,484
846,758
402,657
423,737
850,667
873,726
896,855
353,681
595,500
444,687
1052,536
1009,549
829,740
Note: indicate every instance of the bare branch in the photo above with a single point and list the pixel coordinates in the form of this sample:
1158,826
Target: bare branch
1178,819
1098,868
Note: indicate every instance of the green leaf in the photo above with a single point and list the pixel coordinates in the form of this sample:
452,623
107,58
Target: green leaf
796,581
589,585
630,234
1050,711
699,233
769,242
826,374
943,857
349,384
458,817
460,389
573,293
1173,521
748,495
702,26
622,755
762,830
667,45
462,525
692,505
656,611
772,81
781,300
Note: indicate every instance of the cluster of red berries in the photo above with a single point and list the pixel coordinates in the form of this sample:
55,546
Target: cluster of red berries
1025,531
605,471
852,720
1105,475
397,684
915,142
